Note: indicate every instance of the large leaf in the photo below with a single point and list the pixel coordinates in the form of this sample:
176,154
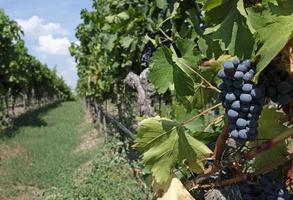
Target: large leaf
234,33
270,127
164,73
161,72
164,143
211,4
274,30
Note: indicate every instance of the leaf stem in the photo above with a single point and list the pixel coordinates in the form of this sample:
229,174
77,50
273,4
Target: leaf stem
200,114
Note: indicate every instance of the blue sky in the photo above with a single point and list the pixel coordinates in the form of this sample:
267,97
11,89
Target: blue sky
49,28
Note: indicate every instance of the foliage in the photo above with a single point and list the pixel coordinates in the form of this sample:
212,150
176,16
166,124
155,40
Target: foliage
191,39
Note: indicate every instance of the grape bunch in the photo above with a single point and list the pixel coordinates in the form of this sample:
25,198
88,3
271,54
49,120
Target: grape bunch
146,57
267,187
278,85
242,100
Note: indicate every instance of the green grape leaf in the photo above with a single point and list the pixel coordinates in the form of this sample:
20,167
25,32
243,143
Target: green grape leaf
211,4
164,143
234,34
161,71
164,73
126,41
274,30
270,127
182,115
162,4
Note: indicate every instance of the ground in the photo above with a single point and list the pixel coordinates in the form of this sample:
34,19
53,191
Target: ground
56,153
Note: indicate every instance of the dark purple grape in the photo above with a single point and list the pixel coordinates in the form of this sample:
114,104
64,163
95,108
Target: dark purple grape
242,68
255,109
237,92
256,93
245,107
237,84
245,98
252,123
247,87
230,97
284,87
228,66
222,86
228,82
247,63
248,76
232,114
221,74
283,99
235,61
234,134
242,134
238,75
235,105
241,123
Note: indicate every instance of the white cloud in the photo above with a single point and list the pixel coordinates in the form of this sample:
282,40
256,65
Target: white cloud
35,27
54,46
69,73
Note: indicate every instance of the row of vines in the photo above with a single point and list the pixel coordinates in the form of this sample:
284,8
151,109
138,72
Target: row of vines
213,84
21,74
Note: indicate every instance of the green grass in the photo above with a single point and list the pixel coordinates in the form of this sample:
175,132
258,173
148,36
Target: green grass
40,150
110,178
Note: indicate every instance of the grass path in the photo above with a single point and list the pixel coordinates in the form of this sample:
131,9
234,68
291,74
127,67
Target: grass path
43,150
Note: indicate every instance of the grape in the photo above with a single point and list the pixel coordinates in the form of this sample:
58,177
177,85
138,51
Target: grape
254,109
241,123
284,87
237,84
247,63
235,61
230,97
238,75
247,87
222,86
241,98
252,123
248,76
221,74
237,92
234,134
242,134
245,107
266,187
242,68
228,82
228,66
245,98
283,99
235,105
256,93
232,114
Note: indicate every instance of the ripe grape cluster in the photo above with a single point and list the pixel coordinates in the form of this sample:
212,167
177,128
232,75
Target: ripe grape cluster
267,187
278,85
242,99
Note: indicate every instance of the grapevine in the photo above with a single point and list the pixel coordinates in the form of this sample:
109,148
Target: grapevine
192,51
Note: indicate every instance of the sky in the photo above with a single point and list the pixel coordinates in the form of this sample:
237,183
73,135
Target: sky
49,28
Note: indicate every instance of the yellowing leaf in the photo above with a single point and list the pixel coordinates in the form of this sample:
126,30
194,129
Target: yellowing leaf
165,143
172,190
